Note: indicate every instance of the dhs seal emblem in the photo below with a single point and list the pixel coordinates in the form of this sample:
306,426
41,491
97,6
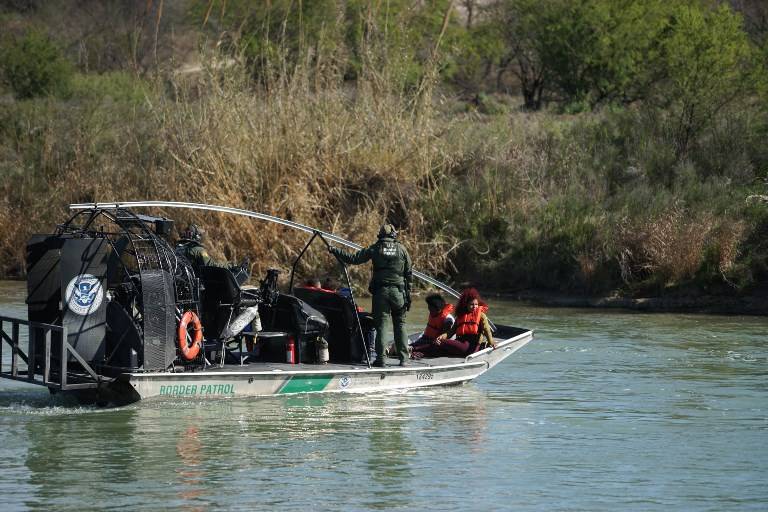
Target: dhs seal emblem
84,294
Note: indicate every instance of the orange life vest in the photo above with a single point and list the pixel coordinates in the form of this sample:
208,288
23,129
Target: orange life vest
436,323
469,323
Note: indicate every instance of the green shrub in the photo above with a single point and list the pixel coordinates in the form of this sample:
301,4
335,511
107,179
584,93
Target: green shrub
33,65
119,86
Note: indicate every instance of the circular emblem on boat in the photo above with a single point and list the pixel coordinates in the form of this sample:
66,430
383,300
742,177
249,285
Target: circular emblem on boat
84,294
345,381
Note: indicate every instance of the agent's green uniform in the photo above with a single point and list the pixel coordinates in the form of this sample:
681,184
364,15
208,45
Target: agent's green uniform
390,286
196,254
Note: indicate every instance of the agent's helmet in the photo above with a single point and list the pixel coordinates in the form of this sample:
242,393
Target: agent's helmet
193,233
387,231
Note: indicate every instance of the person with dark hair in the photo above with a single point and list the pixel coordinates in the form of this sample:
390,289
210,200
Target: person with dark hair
440,321
471,325
390,285
330,283
191,247
312,283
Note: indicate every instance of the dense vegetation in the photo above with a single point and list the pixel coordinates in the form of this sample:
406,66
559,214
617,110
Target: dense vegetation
582,146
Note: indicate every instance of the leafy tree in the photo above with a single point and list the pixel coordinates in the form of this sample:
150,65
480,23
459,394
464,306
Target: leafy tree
33,65
709,64
478,55
520,27
589,51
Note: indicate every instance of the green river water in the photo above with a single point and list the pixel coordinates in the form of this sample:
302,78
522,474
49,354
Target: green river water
602,411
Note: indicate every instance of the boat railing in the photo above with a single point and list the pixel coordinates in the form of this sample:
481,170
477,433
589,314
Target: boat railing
505,343
39,369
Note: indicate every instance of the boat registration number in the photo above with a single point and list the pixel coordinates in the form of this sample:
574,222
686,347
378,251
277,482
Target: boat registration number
425,376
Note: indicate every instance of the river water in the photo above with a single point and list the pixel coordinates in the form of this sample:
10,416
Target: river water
602,411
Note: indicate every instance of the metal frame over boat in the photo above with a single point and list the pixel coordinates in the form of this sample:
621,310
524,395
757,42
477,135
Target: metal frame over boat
109,302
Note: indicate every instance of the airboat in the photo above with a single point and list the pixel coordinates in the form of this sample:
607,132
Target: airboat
116,316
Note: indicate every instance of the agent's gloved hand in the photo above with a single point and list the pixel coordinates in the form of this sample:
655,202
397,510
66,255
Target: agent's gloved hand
407,303
333,250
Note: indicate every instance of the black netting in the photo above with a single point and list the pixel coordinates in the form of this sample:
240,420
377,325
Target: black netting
159,319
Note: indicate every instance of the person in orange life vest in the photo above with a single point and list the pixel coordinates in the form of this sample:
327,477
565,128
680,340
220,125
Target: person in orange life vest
440,320
471,324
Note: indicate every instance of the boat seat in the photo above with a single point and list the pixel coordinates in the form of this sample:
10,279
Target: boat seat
222,299
344,344
292,315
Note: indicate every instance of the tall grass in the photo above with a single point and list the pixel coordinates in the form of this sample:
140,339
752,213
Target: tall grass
590,202
339,158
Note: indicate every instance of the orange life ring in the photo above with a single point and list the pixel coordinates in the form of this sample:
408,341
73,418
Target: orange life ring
189,352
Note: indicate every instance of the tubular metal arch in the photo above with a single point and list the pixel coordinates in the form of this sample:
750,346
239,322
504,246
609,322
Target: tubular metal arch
255,215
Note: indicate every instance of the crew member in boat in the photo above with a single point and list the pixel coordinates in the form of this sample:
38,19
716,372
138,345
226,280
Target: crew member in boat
390,286
191,247
440,321
472,328
313,283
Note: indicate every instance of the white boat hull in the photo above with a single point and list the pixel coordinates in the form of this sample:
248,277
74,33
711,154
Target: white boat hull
267,379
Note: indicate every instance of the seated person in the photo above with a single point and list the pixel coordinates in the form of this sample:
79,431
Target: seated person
312,283
191,247
440,321
331,284
470,327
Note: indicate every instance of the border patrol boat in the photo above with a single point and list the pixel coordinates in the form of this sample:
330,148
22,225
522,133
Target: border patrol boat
116,316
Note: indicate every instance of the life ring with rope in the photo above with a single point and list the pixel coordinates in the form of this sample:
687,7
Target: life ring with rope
190,351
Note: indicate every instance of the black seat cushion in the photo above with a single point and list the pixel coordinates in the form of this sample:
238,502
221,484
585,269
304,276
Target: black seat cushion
220,297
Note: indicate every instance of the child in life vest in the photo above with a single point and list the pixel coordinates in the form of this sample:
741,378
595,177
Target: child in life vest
471,326
440,321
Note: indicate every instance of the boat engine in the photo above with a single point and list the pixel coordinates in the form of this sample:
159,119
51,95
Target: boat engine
113,281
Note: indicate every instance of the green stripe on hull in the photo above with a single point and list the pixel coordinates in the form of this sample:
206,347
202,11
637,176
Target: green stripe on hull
305,384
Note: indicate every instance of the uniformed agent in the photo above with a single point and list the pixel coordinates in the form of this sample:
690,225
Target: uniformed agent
390,286
191,247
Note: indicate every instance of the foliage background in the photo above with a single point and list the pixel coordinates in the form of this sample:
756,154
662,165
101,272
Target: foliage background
588,146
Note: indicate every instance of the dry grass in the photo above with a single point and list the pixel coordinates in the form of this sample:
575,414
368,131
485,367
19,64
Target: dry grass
14,229
672,246
338,159
727,239
343,158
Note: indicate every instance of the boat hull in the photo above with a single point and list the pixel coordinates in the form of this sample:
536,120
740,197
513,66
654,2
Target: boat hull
268,379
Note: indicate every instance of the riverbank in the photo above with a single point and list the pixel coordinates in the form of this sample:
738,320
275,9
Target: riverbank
572,198
755,305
